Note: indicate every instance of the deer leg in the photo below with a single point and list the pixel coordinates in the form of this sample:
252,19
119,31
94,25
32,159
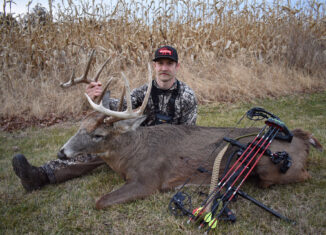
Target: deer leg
128,192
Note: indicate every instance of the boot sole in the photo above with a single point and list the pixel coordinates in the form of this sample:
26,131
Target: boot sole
20,164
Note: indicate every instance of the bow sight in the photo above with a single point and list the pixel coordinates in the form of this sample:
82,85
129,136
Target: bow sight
215,206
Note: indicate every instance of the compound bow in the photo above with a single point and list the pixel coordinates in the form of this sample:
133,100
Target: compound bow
215,206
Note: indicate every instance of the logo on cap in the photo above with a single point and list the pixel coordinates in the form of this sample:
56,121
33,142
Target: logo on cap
165,51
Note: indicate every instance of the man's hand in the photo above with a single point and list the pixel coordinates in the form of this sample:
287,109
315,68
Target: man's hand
94,89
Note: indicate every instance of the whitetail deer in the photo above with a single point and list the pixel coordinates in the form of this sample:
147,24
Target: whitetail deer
162,157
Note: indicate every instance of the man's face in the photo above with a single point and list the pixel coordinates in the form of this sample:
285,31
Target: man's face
166,69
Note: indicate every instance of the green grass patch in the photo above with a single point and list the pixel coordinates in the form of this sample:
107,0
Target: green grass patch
69,208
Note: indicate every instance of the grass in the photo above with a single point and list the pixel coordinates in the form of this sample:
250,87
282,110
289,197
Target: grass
69,208
229,50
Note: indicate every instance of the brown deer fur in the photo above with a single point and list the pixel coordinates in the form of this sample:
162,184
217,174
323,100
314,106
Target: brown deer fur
159,158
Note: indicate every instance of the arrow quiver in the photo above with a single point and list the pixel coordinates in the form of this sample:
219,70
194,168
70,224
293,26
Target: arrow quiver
222,191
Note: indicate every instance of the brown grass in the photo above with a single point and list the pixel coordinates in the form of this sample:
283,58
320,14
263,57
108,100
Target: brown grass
229,51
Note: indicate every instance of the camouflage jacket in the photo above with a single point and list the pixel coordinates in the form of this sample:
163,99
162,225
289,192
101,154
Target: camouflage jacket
185,106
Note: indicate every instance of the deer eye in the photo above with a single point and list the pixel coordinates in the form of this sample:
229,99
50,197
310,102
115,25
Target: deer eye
97,138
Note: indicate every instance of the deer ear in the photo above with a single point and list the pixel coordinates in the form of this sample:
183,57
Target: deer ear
129,124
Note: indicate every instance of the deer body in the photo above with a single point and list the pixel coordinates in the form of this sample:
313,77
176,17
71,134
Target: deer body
160,158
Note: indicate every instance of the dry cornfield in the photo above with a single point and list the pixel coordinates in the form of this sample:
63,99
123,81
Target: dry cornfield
229,50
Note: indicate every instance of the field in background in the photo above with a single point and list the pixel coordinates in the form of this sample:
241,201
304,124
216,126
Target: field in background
230,50
55,210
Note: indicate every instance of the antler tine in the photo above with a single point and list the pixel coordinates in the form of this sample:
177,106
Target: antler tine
128,97
103,93
121,99
83,78
100,70
70,82
148,92
100,97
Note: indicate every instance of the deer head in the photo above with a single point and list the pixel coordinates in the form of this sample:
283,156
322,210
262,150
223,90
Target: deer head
105,124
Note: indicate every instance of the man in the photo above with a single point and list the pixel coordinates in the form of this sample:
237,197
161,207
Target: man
171,101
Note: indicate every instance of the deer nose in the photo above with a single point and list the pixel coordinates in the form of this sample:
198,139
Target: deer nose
61,155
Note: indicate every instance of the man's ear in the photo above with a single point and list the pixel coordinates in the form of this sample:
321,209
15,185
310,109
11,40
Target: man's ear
129,124
178,66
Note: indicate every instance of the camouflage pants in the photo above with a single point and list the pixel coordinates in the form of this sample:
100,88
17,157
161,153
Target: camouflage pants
62,170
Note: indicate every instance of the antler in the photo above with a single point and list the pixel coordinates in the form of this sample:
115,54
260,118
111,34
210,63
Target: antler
128,113
83,79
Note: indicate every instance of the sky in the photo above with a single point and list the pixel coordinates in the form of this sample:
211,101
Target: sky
21,6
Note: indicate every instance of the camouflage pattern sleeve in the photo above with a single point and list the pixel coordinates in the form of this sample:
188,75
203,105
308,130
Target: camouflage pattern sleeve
138,95
188,107
53,167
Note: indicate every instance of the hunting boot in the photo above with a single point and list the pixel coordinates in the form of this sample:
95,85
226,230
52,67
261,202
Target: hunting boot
31,177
